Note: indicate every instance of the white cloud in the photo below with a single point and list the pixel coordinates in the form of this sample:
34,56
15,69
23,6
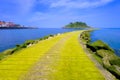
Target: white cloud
50,19
18,6
37,16
75,3
26,5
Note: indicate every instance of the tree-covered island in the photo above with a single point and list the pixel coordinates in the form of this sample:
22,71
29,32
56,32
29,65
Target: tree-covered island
77,25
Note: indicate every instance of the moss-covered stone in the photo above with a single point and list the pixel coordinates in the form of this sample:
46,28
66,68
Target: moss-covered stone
106,62
105,53
115,61
92,48
114,71
85,37
8,52
29,42
97,45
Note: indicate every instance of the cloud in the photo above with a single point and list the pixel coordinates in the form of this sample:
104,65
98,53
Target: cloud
16,6
51,19
50,13
26,5
39,16
75,3
65,14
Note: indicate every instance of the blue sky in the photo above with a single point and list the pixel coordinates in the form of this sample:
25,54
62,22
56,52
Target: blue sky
57,13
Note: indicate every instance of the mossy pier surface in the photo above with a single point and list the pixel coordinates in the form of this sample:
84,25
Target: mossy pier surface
57,58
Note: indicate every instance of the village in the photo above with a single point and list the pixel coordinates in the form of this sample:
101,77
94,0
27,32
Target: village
8,24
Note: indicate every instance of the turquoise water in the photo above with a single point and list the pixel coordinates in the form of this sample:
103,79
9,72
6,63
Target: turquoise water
109,36
9,38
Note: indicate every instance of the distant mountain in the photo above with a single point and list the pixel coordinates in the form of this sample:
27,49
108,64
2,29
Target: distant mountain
77,25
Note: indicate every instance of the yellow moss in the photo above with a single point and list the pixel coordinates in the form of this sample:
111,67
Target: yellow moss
16,65
73,64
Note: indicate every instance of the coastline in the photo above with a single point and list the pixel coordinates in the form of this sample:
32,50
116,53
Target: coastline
28,59
10,37
17,28
104,66
32,42
26,44
24,60
104,72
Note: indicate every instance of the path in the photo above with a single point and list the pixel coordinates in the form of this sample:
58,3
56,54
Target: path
65,61
16,65
58,58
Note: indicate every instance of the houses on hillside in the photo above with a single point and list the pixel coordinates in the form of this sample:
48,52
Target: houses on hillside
8,24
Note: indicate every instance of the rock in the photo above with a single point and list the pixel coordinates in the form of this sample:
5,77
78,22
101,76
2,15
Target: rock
97,45
105,53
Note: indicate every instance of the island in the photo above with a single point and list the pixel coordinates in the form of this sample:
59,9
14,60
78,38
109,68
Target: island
77,25
12,25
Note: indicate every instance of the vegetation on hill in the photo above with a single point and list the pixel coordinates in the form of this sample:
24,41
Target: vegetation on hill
77,25
104,54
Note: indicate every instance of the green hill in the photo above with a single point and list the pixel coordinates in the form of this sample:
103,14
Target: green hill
77,25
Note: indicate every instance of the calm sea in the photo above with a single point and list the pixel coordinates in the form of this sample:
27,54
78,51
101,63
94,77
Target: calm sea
110,36
9,38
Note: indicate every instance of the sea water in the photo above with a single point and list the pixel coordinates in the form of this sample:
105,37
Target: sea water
110,36
10,37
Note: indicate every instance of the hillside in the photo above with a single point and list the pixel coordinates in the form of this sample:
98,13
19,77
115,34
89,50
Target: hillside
77,25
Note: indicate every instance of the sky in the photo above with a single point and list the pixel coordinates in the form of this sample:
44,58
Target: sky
58,13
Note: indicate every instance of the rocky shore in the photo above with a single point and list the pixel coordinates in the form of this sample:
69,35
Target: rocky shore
103,53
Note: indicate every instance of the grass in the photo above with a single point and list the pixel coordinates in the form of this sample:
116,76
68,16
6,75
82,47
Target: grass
74,64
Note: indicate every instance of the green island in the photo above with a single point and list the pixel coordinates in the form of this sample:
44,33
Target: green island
77,25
